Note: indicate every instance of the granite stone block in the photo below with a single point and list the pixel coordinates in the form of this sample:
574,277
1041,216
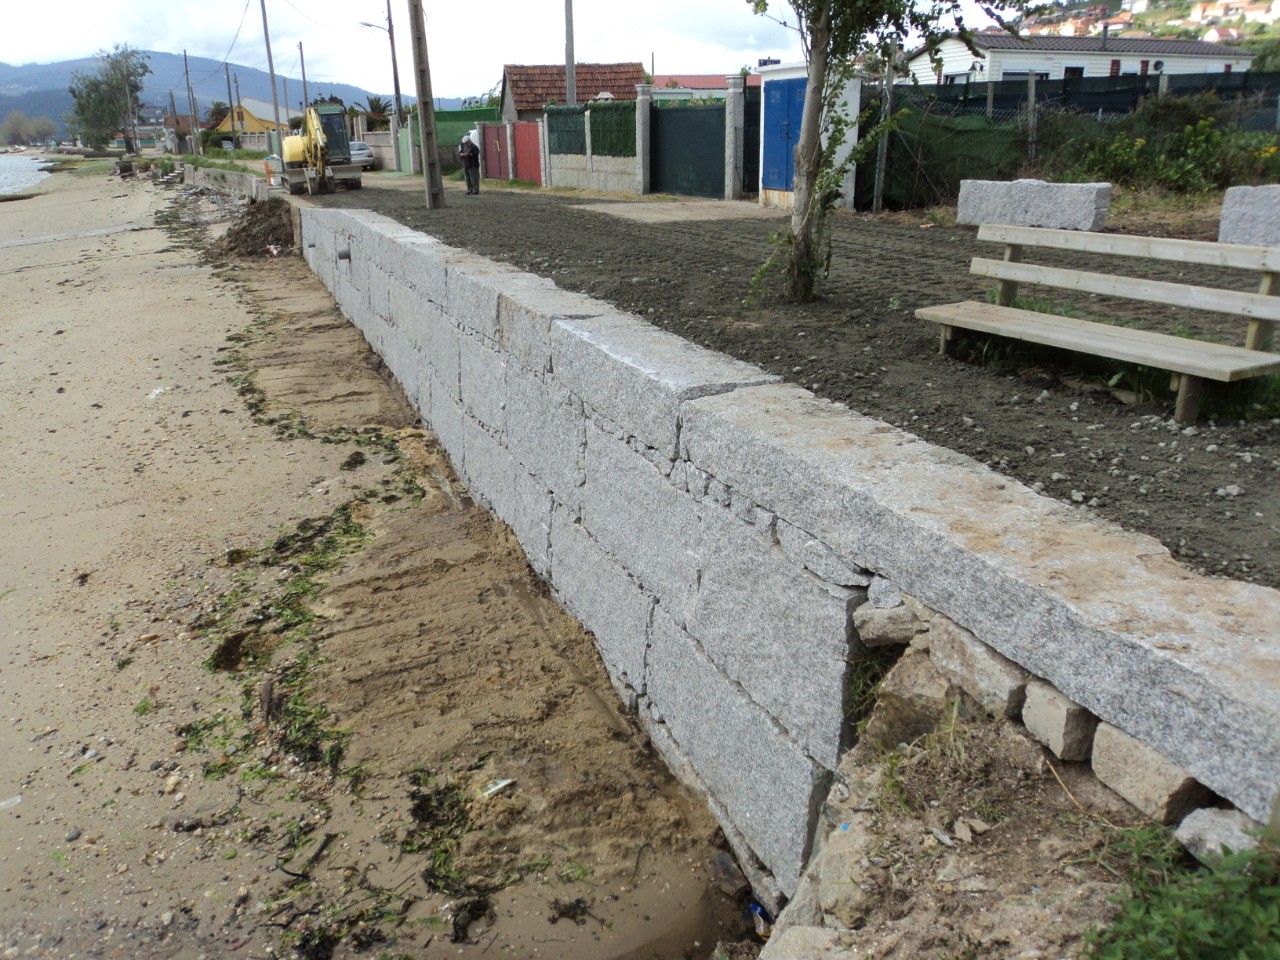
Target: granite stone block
1251,215
1162,790
608,601
642,521
482,382
769,788
472,286
527,305
637,375
1034,203
1105,615
781,633
809,552
1206,832
546,433
996,682
1064,727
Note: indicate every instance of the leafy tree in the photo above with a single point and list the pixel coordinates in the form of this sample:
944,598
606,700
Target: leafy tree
41,130
832,34
105,101
217,112
14,127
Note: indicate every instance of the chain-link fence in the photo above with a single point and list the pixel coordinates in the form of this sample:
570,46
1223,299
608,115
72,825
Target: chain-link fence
948,133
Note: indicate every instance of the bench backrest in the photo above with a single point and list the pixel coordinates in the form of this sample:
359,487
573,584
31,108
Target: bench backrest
1261,308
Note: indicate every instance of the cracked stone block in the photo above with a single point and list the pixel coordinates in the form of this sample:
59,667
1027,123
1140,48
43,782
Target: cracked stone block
808,943
1158,787
879,627
1205,832
1251,215
1060,724
808,551
995,681
771,791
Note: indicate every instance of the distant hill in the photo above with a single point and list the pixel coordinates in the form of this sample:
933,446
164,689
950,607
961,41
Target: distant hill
41,89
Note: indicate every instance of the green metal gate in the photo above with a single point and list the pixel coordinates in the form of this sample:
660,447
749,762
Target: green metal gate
687,152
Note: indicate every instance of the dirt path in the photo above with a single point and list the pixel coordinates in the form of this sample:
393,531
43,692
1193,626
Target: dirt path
270,681
1207,492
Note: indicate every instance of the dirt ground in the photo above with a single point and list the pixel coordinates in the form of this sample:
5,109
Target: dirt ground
271,684
1207,492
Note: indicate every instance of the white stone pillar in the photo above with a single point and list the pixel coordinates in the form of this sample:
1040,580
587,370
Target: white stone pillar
644,105
511,149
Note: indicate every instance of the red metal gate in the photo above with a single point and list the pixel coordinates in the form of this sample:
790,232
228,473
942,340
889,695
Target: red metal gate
493,144
528,152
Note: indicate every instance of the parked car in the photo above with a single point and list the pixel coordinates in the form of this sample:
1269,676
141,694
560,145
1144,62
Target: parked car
361,154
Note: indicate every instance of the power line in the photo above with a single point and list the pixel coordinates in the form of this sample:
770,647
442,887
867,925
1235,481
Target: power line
244,13
300,13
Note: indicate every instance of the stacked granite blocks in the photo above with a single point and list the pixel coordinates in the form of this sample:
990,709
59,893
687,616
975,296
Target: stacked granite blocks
720,533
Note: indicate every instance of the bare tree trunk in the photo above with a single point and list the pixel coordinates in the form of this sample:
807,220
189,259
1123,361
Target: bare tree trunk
806,214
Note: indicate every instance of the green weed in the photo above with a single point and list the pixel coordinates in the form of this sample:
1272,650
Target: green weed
1228,912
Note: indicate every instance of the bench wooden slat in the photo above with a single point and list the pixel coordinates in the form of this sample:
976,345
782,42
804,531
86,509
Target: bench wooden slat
1196,358
1203,252
1237,303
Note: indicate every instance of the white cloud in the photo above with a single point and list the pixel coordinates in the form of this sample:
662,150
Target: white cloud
468,43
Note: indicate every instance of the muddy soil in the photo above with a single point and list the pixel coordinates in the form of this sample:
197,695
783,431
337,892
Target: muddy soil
1207,492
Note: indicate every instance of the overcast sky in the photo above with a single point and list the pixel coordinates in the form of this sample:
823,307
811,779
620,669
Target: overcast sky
468,41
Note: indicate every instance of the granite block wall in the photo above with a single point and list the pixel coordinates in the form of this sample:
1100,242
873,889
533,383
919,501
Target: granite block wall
717,530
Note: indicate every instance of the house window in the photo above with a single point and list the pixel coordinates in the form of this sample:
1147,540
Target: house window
1226,68
1143,67
1073,73
1115,68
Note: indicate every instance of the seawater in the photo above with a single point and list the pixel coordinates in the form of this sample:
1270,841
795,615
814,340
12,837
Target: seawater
19,173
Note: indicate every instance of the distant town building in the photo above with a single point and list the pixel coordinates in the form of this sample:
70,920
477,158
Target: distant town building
1004,57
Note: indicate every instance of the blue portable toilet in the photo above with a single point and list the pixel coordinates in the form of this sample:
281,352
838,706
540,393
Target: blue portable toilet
781,109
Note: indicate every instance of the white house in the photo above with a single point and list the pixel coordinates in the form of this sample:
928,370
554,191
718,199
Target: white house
1006,57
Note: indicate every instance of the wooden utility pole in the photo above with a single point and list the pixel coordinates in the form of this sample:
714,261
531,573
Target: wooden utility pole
570,70
426,108
271,68
231,106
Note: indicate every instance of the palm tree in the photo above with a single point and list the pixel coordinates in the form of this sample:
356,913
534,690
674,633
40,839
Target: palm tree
377,110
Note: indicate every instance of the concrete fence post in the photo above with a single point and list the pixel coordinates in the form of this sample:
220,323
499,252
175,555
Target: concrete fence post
544,151
735,108
511,149
590,158
644,121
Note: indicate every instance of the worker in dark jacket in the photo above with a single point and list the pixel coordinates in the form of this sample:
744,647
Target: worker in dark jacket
470,155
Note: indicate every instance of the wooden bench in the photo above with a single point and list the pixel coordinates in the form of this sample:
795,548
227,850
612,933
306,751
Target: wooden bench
1190,361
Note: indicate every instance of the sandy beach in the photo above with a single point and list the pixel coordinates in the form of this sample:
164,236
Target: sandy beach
151,803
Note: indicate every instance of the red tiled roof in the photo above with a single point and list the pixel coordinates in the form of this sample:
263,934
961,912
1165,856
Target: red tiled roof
533,87
698,81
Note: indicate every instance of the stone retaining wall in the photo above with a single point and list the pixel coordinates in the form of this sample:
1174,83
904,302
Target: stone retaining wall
238,184
734,543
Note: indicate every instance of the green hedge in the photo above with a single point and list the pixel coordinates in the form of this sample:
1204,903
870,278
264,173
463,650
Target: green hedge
613,128
567,130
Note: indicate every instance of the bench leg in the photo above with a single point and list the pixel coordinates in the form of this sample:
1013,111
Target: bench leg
1190,389
946,340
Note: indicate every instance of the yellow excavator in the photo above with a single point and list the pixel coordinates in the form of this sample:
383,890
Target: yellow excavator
319,157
